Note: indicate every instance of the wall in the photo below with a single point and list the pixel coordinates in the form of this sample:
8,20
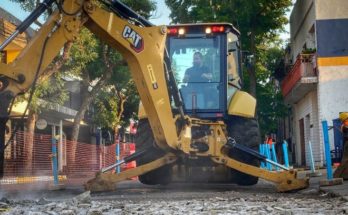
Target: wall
332,40
331,9
332,31
332,88
302,19
307,106
332,44
325,24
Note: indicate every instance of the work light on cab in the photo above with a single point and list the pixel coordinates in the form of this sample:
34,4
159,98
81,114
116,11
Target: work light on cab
181,31
208,30
172,31
218,29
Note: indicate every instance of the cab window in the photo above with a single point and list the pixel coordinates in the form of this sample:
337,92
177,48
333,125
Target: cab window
196,63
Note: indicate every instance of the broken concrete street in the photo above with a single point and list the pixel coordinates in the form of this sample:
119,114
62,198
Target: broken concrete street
222,107
132,197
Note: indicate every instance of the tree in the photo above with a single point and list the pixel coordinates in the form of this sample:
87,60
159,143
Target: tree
270,105
48,93
115,106
99,66
144,8
258,20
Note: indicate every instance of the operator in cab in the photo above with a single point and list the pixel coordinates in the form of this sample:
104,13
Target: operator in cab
197,92
198,72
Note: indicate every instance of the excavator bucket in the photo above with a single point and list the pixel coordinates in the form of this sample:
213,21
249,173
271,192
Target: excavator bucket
342,170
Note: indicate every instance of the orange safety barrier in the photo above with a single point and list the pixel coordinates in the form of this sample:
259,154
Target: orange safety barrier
32,163
128,149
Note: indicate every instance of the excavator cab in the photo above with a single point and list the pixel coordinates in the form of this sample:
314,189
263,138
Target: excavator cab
206,62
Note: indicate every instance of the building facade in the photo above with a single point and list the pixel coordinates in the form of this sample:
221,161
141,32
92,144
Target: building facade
315,87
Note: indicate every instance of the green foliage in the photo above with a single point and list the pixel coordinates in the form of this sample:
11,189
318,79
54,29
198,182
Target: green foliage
48,93
270,100
28,5
259,21
263,18
132,104
105,105
85,50
309,51
92,59
142,7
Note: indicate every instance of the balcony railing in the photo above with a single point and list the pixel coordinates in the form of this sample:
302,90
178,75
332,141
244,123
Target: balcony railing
303,68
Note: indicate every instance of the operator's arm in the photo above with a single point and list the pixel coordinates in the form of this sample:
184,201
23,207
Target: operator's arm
207,75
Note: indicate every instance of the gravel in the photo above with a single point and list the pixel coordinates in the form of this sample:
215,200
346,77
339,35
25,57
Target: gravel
228,202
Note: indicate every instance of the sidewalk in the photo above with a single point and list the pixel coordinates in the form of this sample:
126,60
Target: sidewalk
336,190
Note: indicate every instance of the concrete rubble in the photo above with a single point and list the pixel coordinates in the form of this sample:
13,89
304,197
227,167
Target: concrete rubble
229,202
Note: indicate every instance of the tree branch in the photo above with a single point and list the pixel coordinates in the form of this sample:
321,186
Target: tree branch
59,63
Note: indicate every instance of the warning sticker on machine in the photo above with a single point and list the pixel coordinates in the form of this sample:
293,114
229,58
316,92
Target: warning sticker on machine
152,76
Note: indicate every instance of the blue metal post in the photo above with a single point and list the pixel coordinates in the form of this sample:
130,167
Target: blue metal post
118,168
262,151
268,154
327,150
311,156
55,161
285,154
274,155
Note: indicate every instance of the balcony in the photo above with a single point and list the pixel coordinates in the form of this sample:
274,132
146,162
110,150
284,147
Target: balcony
301,79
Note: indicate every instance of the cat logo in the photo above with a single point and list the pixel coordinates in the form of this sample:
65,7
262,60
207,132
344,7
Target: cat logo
135,40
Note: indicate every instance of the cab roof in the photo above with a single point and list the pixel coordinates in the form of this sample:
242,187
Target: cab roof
225,24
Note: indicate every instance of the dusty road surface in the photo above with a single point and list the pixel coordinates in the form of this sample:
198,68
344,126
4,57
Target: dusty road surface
132,197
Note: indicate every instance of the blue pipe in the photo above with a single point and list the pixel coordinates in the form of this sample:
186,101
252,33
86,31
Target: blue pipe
118,168
262,151
285,153
327,150
268,154
311,157
55,161
274,155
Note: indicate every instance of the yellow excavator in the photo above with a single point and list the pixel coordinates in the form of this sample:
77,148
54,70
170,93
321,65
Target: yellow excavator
195,122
